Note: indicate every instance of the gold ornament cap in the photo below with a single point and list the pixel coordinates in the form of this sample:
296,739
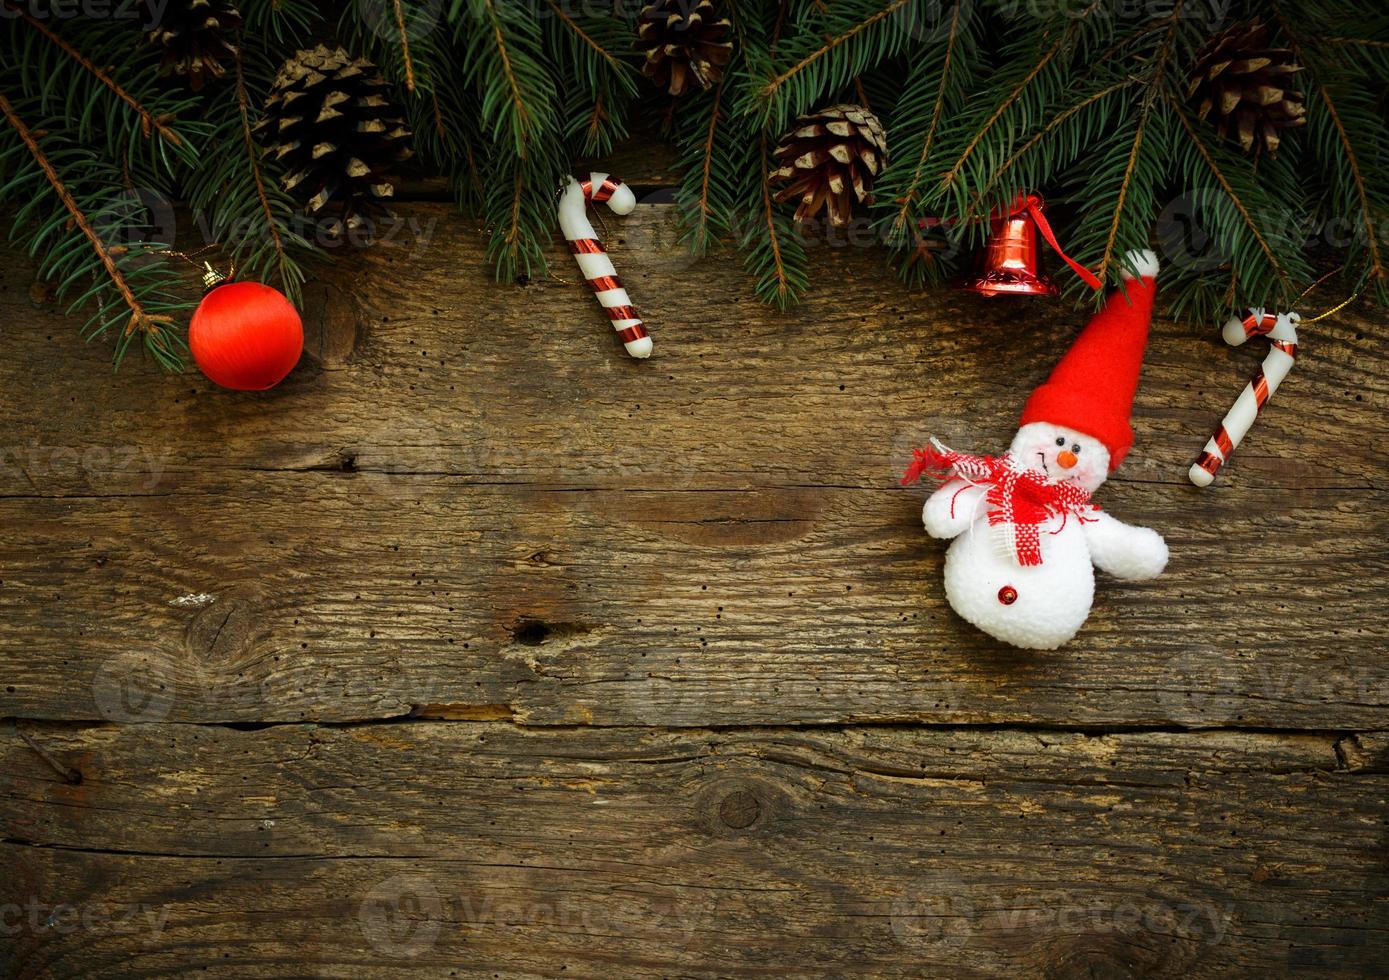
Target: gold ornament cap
211,277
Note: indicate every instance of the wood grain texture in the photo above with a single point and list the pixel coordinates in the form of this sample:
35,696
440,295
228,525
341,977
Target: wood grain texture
467,496
420,848
477,648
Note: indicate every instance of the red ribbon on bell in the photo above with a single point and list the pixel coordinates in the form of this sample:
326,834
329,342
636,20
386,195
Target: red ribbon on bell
1010,264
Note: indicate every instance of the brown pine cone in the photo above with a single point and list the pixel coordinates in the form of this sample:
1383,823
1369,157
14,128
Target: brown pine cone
1242,85
831,159
198,37
330,120
687,44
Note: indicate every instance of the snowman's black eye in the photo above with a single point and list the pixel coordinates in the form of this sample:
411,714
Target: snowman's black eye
1061,440
1076,449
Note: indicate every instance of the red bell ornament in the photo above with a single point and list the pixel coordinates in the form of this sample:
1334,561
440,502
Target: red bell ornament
245,335
1010,264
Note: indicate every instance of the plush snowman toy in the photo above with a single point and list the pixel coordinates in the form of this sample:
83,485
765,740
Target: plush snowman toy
1026,537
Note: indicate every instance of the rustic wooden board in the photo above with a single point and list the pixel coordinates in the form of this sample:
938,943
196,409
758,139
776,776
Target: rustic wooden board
468,503
426,848
478,544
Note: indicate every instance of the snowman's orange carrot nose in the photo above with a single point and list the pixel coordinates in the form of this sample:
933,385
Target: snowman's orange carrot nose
1066,459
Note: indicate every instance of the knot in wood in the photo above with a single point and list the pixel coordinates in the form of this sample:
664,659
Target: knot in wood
332,325
739,809
1090,964
221,632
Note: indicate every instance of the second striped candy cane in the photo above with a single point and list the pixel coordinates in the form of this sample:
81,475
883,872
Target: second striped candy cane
1281,330
593,259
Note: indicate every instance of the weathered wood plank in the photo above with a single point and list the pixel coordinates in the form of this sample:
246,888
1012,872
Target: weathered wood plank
469,499
702,607
413,849
454,373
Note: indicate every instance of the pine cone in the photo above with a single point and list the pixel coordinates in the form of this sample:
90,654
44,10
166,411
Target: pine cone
329,118
196,36
685,43
831,159
1243,82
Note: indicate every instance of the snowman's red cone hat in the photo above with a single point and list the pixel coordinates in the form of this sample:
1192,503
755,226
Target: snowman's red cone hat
1091,390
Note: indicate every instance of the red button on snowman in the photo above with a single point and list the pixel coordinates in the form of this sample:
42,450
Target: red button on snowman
1026,537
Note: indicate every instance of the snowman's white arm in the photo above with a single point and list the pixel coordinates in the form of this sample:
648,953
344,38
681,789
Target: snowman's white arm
1123,550
952,508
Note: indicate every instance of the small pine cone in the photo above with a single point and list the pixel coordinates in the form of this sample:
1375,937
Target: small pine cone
831,159
330,120
687,43
1241,84
197,37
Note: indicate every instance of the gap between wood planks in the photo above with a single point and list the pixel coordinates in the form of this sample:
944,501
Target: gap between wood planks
1345,741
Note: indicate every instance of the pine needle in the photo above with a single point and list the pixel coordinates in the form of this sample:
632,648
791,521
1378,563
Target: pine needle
253,157
1156,80
830,44
148,121
777,276
1377,267
140,321
903,213
405,48
1225,185
585,37
701,231
949,177
518,100
973,210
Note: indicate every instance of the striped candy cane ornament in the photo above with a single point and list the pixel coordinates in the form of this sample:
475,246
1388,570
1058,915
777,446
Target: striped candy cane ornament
1281,330
593,258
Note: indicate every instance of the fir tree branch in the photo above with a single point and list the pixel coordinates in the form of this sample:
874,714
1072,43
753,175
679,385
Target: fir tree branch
148,121
1156,79
949,176
862,95
141,321
596,115
1377,267
1061,118
585,37
700,233
512,238
243,102
780,21
778,277
405,47
1225,185
503,56
903,213
770,89
518,101
437,113
1355,42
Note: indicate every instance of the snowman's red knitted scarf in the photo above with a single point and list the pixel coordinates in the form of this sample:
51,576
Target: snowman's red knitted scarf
1019,497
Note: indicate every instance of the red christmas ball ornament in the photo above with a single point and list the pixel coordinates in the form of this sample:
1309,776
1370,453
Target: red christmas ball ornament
245,335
